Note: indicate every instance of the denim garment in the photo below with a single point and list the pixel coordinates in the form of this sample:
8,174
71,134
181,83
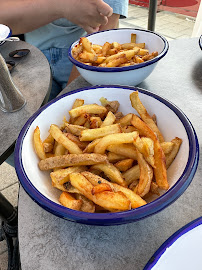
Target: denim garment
60,67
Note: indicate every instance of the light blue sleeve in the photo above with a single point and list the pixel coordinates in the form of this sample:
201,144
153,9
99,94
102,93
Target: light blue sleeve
119,7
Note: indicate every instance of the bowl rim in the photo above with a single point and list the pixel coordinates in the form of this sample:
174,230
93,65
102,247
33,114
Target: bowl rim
200,42
119,69
170,241
120,217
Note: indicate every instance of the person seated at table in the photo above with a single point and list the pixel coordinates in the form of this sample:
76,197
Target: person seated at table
52,26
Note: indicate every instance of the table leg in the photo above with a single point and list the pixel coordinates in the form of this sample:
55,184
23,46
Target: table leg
152,14
9,232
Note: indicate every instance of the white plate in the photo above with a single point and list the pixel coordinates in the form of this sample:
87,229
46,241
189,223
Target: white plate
5,32
181,251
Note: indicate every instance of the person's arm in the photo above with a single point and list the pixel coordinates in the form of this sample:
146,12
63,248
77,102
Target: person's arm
23,16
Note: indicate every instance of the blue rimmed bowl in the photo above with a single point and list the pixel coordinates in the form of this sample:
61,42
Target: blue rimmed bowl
171,121
5,32
182,250
130,75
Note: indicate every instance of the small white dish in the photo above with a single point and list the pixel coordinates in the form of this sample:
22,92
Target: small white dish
5,32
181,251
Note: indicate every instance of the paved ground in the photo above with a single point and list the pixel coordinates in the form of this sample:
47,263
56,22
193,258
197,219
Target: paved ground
170,25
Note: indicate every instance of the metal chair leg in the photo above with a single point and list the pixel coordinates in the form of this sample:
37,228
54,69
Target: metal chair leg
9,232
152,15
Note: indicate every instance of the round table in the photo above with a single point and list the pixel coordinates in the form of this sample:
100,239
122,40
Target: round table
48,242
32,76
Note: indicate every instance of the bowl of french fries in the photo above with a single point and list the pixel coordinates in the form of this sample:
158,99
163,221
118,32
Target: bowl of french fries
106,155
119,56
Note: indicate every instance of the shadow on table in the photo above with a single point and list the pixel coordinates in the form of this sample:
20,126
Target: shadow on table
197,75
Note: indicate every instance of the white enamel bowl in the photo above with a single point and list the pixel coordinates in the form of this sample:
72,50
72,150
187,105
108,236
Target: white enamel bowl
181,251
171,121
131,75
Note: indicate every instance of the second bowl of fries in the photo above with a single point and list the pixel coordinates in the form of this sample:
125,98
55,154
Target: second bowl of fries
119,56
119,155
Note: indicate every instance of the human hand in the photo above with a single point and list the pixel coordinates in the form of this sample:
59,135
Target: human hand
89,14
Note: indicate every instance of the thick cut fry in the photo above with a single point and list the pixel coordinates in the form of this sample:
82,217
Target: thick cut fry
90,109
124,165
131,175
69,201
136,200
146,147
62,176
48,144
87,45
160,171
142,127
137,104
125,120
171,156
96,133
116,62
133,38
109,119
146,176
61,138
167,147
77,103
112,157
38,144
106,199
126,150
81,119
95,122
118,138
87,205
111,172
59,149
71,160
90,147
128,129
100,188
105,48
74,129
75,139
88,57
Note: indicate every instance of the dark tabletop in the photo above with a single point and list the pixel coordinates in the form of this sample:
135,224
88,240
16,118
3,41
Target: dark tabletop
32,76
49,242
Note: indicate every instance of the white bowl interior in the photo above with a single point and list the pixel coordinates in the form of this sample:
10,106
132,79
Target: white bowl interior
184,253
4,32
168,122
152,41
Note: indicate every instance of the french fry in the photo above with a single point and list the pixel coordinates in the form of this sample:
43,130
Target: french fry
117,138
171,156
100,188
38,144
124,165
75,139
74,129
86,44
96,133
95,122
87,205
131,175
61,138
137,104
90,147
126,150
133,38
69,201
62,176
106,199
136,200
167,147
90,109
48,144
109,119
71,160
125,120
112,157
77,103
81,119
146,176
111,172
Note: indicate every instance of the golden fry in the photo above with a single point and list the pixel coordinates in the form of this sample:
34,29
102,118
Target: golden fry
38,145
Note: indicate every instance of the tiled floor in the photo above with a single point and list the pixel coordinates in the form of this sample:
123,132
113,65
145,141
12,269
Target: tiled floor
170,25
